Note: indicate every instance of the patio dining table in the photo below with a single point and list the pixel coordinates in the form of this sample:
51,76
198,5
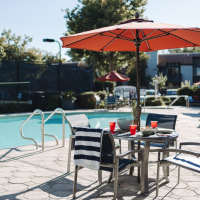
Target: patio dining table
164,138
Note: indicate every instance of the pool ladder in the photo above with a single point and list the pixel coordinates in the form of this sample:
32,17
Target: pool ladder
43,121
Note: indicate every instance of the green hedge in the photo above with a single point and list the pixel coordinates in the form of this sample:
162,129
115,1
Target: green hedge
99,86
53,102
166,100
101,94
196,91
152,101
185,91
15,108
86,100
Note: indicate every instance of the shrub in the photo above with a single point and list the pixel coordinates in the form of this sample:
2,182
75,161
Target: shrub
53,102
185,91
166,100
110,86
99,86
196,91
15,108
102,94
86,100
69,95
151,101
180,102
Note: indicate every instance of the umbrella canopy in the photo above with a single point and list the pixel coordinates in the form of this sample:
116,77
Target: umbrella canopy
135,35
114,77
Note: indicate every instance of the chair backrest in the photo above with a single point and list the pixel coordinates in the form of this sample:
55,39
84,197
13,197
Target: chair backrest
93,147
79,120
111,100
164,121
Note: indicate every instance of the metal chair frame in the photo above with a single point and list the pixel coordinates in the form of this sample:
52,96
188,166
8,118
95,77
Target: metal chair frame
114,166
166,161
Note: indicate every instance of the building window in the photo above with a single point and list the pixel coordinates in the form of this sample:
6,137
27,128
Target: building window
173,71
197,70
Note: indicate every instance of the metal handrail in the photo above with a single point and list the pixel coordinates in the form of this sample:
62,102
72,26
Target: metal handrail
58,111
178,97
35,112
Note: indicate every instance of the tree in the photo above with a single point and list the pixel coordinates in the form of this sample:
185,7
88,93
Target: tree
185,50
92,14
160,80
15,49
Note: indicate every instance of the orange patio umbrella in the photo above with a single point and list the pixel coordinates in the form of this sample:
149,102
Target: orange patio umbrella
114,77
137,35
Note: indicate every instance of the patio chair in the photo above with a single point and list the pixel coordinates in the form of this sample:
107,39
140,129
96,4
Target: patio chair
95,149
183,158
111,102
164,121
77,120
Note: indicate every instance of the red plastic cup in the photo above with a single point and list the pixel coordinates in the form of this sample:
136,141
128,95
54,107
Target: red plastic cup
154,124
133,129
112,127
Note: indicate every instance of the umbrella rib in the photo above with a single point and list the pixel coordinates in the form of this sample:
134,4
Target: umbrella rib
156,36
147,43
82,39
114,38
179,37
117,36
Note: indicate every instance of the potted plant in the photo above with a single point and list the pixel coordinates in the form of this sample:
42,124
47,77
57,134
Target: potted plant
68,99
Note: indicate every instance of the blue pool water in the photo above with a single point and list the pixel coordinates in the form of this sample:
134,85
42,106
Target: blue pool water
9,127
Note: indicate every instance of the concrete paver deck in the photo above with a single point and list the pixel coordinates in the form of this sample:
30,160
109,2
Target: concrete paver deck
26,173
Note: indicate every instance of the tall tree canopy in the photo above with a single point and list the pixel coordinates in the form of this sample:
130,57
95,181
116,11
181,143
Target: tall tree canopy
92,14
15,48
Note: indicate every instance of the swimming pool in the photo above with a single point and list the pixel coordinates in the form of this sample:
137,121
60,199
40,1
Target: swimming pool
9,126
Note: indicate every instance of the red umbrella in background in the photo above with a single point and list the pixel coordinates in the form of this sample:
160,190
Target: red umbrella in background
114,77
137,35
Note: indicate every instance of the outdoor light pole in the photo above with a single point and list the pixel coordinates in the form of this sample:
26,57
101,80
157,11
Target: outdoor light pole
60,61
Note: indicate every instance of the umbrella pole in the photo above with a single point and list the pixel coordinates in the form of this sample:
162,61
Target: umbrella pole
138,107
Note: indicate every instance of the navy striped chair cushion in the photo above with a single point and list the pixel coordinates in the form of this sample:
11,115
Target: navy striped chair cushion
88,147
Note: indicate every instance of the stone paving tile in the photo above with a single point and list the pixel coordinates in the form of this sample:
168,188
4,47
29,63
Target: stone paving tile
26,173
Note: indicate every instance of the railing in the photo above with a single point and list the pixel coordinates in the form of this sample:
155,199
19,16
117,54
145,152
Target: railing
35,112
58,111
172,103
177,98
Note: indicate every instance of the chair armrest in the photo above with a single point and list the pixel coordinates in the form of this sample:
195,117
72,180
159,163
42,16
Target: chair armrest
178,151
189,143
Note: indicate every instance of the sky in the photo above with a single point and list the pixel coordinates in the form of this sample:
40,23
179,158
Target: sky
45,18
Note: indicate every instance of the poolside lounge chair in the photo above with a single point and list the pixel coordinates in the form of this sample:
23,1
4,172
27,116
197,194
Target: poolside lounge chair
187,159
95,149
77,120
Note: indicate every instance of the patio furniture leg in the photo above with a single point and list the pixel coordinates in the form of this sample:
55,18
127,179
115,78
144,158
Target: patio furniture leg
120,146
179,171
69,154
166,168
110,177
131,146
116,175
144,170
75,182
140,157
157,178
100,177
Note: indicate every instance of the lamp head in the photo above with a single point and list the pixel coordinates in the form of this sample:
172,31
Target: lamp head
48,40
